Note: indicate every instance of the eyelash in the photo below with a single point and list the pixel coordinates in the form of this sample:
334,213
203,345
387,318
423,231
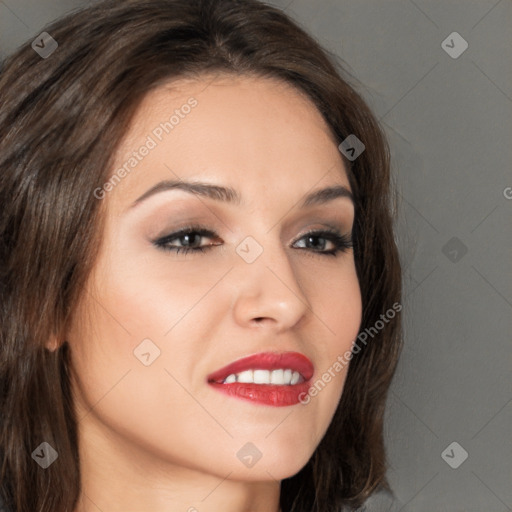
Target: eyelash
341,242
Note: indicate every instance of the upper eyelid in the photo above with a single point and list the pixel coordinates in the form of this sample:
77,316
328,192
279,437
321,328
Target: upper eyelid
211,233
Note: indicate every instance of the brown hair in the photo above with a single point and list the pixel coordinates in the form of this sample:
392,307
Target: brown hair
61,120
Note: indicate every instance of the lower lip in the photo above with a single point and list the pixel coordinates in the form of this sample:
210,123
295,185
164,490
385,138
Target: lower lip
266,394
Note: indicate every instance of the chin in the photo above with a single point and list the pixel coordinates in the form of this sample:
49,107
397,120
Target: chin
279,465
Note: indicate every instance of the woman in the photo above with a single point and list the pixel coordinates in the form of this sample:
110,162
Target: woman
196,241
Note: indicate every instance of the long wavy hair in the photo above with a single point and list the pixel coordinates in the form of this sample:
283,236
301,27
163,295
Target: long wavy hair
61,120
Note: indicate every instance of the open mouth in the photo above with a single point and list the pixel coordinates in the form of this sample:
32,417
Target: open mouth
277,379
280,377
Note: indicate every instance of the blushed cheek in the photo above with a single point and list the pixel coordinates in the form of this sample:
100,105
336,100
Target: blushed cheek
343,312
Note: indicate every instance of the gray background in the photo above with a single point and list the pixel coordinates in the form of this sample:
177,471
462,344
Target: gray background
449,123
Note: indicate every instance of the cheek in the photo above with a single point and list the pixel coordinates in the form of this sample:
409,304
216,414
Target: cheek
337,304
108,355
338,308
152,290
345,310
149,296
139,305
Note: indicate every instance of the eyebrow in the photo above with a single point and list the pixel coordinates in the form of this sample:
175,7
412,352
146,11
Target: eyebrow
230,195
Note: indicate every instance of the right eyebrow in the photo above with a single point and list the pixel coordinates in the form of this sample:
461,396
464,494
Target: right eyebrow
208,190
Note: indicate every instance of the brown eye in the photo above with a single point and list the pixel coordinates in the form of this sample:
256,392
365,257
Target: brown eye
188,240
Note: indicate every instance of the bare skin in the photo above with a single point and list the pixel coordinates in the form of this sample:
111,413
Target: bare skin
158,437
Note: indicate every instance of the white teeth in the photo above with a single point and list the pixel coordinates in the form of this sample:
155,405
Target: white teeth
286,377
245,377
261,377
277,377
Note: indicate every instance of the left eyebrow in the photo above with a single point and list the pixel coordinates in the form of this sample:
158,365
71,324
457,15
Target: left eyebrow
230,195
324,195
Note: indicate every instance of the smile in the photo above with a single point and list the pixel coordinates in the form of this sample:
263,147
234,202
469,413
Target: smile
280,377
276,379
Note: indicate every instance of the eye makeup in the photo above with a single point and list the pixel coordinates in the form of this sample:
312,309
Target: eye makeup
188,237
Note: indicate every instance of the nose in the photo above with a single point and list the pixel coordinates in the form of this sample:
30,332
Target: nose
268,292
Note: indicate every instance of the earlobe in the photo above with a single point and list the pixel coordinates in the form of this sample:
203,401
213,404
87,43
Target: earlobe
60,335
54,343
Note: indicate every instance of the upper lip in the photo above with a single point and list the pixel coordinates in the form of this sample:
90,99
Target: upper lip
266,361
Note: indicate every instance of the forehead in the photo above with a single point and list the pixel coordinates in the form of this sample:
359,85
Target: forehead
246,132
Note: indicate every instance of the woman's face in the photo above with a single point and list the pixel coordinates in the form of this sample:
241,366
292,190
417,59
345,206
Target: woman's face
156,322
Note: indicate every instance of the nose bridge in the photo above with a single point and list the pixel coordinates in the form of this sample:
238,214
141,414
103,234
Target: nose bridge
268,286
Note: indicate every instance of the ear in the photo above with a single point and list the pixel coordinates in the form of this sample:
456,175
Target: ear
56,340
53,343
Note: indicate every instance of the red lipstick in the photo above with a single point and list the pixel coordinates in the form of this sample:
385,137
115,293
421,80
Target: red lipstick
278,395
